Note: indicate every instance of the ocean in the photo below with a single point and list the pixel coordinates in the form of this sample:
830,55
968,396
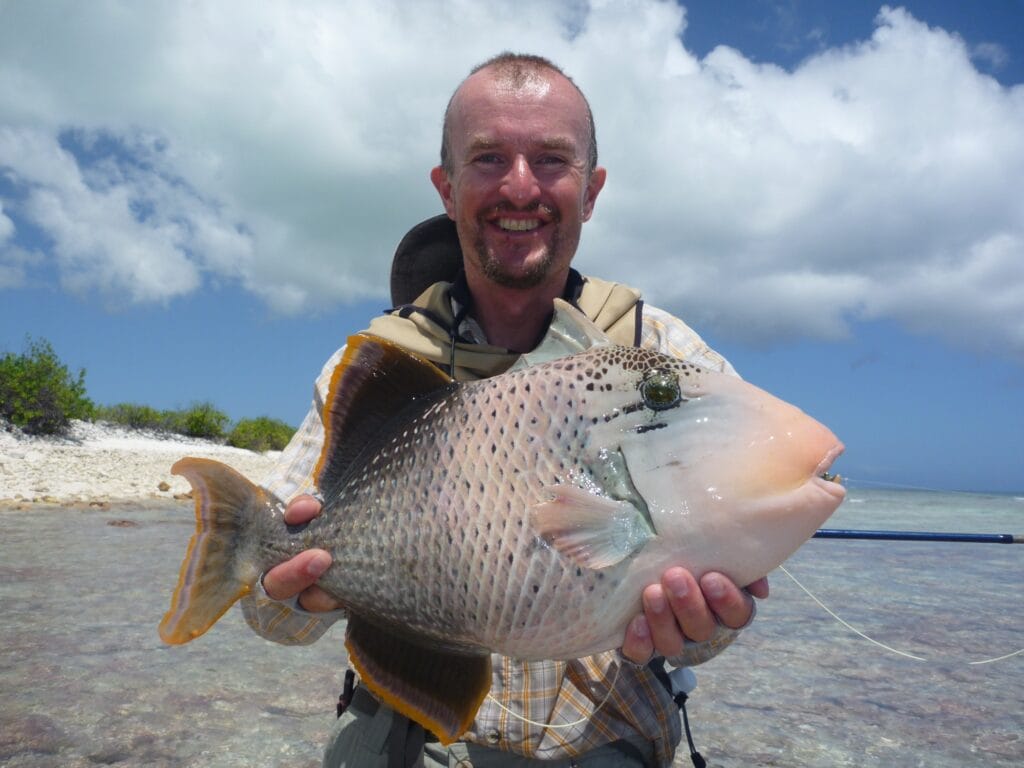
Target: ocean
85,680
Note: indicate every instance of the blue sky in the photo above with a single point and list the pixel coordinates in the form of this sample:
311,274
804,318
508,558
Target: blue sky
200,201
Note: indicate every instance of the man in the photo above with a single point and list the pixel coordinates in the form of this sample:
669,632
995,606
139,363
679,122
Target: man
519,177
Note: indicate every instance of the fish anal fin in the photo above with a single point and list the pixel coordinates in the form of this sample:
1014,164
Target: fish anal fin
438,689
373,381
591,530
215,572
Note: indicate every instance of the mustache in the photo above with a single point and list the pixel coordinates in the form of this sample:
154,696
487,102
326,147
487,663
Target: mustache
506,207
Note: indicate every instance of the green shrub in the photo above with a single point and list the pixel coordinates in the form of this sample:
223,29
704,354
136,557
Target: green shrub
133,415
199,420
38,392
261,434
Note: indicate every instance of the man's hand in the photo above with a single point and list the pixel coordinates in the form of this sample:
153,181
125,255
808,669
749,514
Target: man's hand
298,575
678,609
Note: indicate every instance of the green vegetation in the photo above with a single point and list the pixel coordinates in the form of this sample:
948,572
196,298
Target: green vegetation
199,420
134,416
38,392
261,434
39,395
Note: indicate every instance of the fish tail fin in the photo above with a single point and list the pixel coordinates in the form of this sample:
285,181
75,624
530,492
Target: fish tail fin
216,571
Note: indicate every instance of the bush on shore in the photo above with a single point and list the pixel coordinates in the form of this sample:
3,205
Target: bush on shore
261,434
134,415
38,393
199,420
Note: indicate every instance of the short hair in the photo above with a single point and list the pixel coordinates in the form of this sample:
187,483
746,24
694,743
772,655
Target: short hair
518,67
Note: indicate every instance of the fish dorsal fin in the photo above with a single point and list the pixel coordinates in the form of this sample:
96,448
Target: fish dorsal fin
570,332
375,379
439,689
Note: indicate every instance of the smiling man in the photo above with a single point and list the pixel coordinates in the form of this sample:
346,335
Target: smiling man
519,177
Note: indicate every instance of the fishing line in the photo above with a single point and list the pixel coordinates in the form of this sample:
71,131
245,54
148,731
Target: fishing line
581,721
889,648
845,623
883,484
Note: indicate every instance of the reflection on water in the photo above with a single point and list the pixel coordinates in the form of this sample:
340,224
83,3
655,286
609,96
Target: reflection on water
85,680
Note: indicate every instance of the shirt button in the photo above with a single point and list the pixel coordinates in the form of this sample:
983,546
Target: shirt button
493,736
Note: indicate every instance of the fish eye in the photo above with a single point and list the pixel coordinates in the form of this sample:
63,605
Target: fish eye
660,390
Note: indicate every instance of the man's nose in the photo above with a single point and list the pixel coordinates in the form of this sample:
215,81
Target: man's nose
520,185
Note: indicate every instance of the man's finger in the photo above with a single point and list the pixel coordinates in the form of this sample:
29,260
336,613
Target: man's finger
688,605
302,509
316,600
637,645
731,605
759,588
665,631
286,580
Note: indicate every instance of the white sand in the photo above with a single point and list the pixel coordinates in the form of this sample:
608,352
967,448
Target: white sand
102,462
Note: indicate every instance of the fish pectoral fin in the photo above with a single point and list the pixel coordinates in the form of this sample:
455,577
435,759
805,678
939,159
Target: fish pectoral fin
591,530
439,689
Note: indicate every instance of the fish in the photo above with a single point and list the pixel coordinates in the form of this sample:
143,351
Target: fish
521,514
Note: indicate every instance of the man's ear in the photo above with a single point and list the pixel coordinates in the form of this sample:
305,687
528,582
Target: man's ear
594,186
439,178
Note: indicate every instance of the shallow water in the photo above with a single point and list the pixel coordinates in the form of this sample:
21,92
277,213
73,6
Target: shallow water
84,679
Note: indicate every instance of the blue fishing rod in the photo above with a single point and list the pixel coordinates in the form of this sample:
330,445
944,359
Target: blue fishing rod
969,538
869,535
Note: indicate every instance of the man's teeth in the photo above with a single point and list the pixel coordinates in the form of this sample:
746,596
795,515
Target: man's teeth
519,225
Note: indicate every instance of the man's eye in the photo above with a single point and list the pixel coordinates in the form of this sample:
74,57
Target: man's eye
488,159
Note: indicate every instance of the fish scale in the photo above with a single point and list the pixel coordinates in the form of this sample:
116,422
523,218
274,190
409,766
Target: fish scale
521,514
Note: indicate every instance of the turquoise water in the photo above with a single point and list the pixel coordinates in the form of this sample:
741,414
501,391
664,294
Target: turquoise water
799,689
84,679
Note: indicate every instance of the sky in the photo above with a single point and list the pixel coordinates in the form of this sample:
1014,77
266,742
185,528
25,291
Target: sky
200,201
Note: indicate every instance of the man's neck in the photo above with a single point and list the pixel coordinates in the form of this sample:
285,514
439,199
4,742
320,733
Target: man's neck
514,318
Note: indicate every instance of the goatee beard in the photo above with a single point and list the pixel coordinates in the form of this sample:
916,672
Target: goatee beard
496,272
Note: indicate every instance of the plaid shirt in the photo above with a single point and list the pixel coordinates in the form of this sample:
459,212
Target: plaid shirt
549,693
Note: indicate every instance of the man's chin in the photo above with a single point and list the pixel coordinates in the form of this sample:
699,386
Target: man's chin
513,271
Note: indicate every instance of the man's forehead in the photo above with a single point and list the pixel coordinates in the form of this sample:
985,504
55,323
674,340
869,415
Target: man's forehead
488,104
561,142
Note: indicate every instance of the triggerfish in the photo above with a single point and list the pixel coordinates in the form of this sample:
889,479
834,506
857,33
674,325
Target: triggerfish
521,514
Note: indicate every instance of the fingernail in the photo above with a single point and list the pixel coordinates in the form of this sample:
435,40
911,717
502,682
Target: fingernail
318,565
656,603
714,587
640,628
679,587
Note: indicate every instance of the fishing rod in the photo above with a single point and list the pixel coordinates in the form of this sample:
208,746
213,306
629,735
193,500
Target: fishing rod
970,538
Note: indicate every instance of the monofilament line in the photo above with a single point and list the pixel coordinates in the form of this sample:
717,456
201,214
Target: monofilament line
856,631
582,720
845,623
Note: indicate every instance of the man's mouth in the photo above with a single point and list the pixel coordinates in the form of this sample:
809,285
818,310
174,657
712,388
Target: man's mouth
518,225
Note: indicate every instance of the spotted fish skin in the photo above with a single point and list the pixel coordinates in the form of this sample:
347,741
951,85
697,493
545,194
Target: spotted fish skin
521,514
435,530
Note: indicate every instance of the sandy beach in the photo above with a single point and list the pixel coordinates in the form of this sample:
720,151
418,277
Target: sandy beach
100,463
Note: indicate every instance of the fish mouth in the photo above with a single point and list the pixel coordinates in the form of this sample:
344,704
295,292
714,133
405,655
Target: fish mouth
829,481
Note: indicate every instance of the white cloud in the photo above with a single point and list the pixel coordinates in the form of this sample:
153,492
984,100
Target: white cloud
6,225
286,146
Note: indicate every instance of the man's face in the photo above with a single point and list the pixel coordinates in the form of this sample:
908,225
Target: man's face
519,190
